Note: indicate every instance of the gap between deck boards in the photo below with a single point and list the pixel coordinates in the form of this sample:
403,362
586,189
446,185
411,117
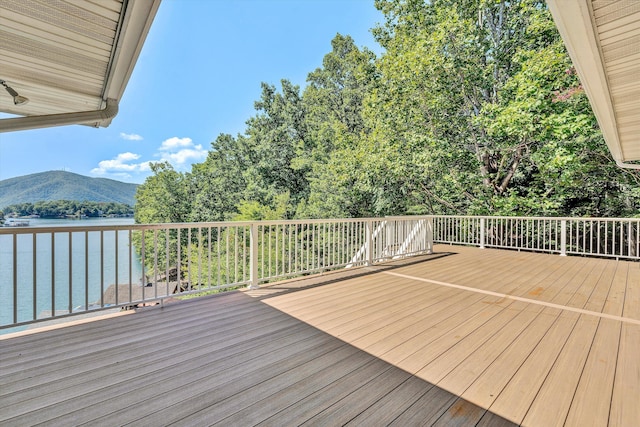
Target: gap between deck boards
516,298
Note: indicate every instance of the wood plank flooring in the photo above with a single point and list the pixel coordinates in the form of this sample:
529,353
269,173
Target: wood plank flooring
462,337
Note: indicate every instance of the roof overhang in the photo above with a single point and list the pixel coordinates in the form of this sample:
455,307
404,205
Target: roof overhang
603,40
71,59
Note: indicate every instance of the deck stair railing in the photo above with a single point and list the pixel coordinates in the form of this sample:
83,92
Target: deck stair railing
402,237
50,272
395,237
361,253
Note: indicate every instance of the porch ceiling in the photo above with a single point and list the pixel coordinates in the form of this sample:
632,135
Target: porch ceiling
603,40
69,56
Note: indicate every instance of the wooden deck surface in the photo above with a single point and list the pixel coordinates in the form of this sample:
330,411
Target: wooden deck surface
463,337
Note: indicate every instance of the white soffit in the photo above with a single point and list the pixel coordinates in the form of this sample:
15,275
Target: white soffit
70,56
603,40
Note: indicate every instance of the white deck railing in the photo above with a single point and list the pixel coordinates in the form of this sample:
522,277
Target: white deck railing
604,237
50,272
63,271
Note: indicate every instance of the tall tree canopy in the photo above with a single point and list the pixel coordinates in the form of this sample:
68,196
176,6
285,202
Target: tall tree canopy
473,108
479,101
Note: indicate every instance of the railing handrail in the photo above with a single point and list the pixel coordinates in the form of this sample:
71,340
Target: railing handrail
180,225
245,223
567,218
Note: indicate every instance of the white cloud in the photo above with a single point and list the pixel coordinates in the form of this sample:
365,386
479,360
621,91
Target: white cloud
183,156
123,163
131,136
175,143
181,151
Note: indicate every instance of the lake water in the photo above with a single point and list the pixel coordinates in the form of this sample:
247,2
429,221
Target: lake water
94,259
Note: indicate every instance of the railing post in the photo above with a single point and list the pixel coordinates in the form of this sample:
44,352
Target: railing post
563,237
253,256
629,240
481,233
429,235
369,242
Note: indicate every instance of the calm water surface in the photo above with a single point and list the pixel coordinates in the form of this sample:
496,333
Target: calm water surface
79,286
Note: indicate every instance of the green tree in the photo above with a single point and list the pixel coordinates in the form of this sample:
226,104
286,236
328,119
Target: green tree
471,96
219,181
333,103
272,137
166,196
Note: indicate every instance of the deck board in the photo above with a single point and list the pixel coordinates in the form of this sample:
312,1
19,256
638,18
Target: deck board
488,384
459,373
463,337
632,296
516,397
592,399
435,326
624,405
285,398
212,407
426,410
356,402
385,410
556,393
462,348
626,391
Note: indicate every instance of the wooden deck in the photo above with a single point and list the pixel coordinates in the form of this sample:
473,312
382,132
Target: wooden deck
463,337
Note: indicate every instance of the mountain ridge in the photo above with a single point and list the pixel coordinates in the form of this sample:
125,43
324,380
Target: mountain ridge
62,185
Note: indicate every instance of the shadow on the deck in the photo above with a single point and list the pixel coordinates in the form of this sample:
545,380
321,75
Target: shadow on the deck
296,284
227,359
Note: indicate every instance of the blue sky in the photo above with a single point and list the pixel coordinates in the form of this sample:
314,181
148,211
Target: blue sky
197,76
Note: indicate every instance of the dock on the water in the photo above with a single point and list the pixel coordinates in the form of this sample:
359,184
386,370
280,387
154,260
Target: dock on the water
138,293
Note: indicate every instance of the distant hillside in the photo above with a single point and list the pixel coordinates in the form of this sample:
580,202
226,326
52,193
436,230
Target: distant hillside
60,185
